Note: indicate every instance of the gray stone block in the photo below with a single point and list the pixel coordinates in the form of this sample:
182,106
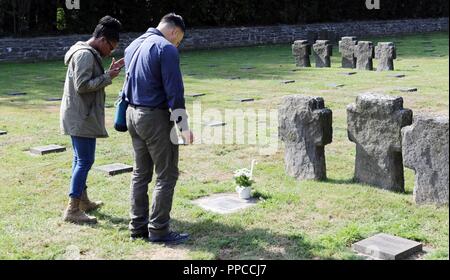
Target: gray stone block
411,89
305,126
194,95
44,150
301,51
387,247
16,93
323,51
347,49
348,73
335,85
53,99
224,203
115,169
242,100
364,53
374,125
426,151
385,52
215,123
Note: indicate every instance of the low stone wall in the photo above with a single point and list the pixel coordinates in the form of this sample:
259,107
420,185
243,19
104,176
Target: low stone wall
49,48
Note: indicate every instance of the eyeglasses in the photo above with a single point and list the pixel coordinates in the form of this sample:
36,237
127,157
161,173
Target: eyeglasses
111,47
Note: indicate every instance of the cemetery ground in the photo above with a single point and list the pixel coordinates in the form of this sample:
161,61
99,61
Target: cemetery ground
293,220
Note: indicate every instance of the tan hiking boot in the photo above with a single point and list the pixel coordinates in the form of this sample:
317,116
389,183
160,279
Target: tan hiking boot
73,214
86,205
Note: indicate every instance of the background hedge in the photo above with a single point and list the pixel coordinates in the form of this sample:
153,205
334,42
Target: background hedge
39,17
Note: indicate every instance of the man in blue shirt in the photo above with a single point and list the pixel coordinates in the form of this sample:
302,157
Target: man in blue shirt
153,89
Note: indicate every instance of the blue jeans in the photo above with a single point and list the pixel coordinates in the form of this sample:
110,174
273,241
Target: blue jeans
83,159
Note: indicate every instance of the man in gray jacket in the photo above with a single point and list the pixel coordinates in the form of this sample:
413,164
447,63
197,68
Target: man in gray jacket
83,109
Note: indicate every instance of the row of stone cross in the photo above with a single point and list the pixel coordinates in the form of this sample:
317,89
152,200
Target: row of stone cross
386,138
355,54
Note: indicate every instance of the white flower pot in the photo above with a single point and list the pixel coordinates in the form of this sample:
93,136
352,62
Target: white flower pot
244,192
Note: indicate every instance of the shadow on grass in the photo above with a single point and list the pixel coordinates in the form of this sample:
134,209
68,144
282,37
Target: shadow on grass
227,242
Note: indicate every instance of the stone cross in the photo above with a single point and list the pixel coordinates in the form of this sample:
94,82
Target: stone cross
305,126
385,52
364,53
347,48
425,150
302,50
323,50
374,124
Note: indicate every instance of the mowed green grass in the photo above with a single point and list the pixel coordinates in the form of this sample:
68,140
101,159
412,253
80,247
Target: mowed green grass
294,220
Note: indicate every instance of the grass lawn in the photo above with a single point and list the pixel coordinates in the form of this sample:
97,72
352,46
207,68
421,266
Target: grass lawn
294,220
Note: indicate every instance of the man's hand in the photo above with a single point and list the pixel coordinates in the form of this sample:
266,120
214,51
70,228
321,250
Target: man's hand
116,66
188,137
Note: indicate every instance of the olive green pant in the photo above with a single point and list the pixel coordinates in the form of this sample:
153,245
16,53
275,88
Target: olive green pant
150,134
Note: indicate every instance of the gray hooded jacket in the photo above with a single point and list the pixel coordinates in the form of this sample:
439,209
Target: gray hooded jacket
82,111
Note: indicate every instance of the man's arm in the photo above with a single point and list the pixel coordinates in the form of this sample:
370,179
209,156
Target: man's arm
83,71
172,78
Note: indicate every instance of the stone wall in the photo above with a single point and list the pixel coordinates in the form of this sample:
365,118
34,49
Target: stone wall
48,48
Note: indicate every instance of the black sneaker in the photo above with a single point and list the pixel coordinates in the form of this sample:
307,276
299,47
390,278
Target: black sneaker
138,236
171,238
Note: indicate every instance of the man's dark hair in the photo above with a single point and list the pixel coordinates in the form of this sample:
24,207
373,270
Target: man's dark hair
109,28
175,20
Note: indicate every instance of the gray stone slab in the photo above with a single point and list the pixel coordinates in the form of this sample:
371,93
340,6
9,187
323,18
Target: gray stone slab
348,73
50,149
335,85
53,99
195,95
412,89
288,82
3,132
397,76
224,203
16,93
245,99
387,247
115,169
215,124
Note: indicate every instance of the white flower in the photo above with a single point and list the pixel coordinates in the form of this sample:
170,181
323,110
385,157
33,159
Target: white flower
242,172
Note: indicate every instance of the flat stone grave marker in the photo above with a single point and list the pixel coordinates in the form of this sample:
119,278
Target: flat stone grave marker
16,93
397,75
215,123
194,95
115,169
245,99
288,82
235,78
247,68
335,85
387,247
412,89
224,203
50,149
348,73
2,132
53,99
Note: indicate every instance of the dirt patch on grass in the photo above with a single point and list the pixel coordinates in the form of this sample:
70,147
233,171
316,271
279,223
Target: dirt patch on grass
163,253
